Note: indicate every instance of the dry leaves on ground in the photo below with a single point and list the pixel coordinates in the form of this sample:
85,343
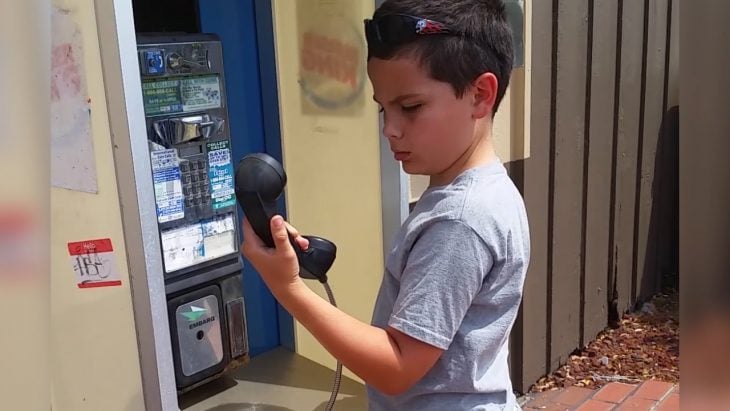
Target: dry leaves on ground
645,346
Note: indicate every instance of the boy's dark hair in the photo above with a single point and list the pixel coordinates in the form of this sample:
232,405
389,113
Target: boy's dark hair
485,46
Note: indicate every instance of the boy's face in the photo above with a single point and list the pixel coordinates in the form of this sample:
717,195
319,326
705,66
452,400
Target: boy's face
427,126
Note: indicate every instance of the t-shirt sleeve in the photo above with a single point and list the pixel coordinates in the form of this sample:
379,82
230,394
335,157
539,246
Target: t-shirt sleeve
444,271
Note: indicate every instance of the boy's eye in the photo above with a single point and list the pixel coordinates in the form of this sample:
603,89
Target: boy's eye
412,108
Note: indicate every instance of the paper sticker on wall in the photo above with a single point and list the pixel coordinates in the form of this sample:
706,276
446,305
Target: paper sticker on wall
94,263
220,174
168,186
72,152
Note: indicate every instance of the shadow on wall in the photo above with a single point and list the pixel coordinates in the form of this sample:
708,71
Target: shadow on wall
661,270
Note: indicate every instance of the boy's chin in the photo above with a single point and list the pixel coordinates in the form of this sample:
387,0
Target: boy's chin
411,168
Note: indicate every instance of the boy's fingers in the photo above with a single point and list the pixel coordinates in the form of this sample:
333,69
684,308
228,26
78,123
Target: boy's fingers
293,231
302,242
279,233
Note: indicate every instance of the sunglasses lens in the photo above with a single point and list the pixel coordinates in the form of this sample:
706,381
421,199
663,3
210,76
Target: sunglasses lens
370,32
396,29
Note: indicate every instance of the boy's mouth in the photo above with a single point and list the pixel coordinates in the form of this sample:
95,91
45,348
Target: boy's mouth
401,155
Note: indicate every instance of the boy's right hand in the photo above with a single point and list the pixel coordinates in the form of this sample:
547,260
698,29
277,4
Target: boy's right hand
278,266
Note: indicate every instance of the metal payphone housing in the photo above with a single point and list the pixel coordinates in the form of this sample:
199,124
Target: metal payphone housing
183,87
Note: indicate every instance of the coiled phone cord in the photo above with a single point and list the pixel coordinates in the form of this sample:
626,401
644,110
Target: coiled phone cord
338,372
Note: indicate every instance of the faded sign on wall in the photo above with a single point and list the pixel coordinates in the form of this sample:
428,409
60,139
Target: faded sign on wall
72,151
332,72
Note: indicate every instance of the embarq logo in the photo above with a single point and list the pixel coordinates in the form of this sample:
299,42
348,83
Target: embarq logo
194,317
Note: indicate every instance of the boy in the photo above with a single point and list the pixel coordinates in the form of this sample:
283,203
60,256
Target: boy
453,280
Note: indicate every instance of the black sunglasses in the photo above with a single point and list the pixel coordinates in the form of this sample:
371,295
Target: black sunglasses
394,29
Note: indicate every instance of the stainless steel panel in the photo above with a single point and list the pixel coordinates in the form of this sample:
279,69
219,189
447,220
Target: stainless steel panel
199,334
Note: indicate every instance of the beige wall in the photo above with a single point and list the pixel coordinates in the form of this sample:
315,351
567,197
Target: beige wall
331,155
94,362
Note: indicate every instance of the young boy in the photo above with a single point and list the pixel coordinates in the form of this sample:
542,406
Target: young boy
453,280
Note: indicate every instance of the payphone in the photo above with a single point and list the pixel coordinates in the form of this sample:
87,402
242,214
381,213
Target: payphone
183,88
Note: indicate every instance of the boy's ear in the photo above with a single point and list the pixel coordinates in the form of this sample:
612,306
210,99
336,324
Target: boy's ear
484,94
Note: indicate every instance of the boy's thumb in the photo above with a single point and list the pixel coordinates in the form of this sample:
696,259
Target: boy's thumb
279,233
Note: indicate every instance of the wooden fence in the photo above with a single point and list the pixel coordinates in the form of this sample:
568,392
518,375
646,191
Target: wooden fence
600,182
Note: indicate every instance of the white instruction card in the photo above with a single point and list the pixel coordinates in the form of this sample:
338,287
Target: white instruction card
168,186
192,244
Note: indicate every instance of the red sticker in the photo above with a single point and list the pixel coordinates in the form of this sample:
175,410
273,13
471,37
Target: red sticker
94,263
84,247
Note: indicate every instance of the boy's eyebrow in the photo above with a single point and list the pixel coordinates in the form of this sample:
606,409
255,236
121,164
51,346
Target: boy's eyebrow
399,98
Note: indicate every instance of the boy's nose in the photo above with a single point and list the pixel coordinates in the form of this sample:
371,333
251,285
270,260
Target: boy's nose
391,130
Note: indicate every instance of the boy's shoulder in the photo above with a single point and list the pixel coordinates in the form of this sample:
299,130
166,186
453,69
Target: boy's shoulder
483,201
480,196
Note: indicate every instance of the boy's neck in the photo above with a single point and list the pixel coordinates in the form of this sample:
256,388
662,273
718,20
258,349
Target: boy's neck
478,154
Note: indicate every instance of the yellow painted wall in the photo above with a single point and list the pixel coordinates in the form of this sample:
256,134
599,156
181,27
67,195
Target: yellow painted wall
94,357
331,155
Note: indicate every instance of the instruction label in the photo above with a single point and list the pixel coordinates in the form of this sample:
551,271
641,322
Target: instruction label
220,174
195,243
201,93
94,263
168,186
161,97
181,95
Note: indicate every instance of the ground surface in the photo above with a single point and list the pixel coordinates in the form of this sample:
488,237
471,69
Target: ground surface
644,347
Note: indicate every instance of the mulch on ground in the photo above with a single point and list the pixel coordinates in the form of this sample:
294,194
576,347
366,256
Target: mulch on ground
645,346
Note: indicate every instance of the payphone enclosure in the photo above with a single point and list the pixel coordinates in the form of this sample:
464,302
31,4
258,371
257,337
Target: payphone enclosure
189,140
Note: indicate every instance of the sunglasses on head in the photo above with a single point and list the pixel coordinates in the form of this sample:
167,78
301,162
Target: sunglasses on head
394,29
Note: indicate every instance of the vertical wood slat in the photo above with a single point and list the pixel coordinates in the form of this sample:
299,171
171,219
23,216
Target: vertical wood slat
534,302
626,151
603,77
647,210
568,177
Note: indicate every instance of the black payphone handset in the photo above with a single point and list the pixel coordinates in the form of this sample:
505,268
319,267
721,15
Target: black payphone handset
259,182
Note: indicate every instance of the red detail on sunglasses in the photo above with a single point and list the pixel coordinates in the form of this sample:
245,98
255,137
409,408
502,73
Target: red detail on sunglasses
425,26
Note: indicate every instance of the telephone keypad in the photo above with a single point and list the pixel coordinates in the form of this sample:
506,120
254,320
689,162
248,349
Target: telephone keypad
196,187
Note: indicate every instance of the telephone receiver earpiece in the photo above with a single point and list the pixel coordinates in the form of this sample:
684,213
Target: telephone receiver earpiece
260,181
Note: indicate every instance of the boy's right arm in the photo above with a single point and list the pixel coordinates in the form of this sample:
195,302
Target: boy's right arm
388,360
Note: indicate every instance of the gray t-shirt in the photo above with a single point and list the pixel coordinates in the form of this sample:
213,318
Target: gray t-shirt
454,280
